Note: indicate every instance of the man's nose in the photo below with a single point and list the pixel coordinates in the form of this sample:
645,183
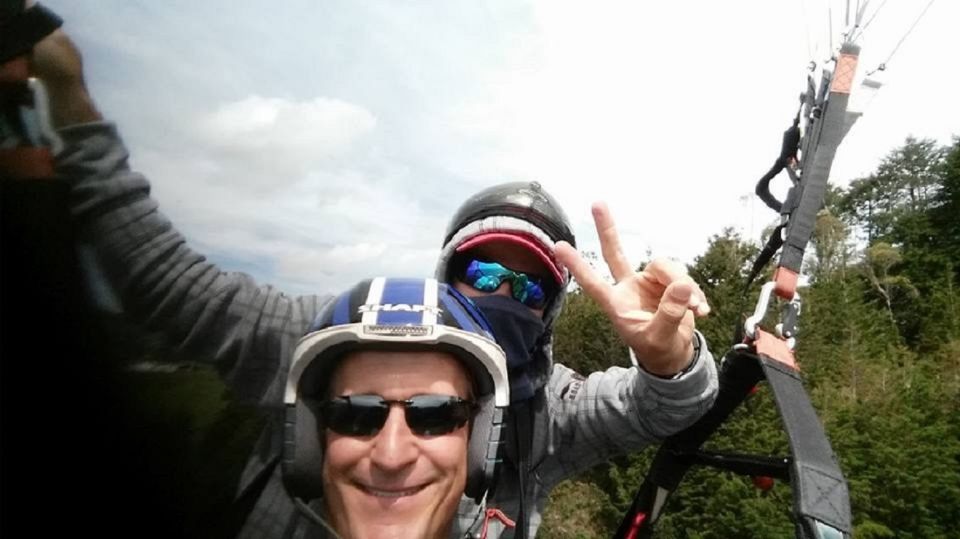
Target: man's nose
504,289
395,445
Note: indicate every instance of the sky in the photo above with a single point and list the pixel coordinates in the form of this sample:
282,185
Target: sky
315,143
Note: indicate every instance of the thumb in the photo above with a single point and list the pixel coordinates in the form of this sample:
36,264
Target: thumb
671,312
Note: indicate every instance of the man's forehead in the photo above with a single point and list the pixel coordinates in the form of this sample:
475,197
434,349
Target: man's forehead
413,365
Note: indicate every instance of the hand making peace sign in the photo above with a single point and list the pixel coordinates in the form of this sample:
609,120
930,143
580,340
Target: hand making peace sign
652,310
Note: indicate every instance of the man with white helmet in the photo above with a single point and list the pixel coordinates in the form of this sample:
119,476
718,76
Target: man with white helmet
394,406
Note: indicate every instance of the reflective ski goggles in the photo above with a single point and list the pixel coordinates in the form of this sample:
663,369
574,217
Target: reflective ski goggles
426,415
529,290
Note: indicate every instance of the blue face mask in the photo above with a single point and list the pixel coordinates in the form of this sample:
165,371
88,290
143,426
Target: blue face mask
517,330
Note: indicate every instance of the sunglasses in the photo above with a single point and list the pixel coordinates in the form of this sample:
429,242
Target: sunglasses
426,415
529,290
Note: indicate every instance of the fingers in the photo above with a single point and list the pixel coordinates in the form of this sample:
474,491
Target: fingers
610,243
588,279
663,272
58,63
672,313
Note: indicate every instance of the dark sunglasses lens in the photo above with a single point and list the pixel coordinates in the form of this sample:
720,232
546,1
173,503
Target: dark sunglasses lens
433,415
530,293
488,276
357,415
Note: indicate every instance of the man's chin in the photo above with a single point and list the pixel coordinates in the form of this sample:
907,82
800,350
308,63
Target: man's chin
407,530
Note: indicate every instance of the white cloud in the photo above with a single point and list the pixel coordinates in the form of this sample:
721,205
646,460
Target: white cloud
333,269
269,141
306,130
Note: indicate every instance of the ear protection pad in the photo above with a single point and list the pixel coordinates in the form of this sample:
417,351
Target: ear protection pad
483,450
302,452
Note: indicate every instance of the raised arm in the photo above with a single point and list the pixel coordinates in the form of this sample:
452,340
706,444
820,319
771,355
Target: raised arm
246,329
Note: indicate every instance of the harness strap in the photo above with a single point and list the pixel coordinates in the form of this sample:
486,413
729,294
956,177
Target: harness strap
523,429
819,489
788,154
816,169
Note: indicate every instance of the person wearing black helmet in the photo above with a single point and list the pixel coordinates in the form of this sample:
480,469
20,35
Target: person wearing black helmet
511,249
393,411
248,330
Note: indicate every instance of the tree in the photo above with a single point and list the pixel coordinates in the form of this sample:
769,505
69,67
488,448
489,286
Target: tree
903,187
832,254
721,272
878,261
945,216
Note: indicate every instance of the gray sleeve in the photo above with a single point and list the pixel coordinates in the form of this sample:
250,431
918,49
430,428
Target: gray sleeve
622,410
247,330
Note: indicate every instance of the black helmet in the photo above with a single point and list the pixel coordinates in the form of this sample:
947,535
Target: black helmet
526,201
393,314
520,209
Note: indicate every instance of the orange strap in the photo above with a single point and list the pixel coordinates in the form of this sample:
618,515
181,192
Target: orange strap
775,348
16,70
786,280
26,163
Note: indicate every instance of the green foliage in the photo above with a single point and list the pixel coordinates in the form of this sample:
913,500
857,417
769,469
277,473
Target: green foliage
899,450
584,340
193,439
579,510
721,272
179,425
947,207
886,203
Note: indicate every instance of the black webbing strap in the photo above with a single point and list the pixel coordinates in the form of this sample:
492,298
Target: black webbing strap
523,429
819,488
21,29
788,153
816,165
774,242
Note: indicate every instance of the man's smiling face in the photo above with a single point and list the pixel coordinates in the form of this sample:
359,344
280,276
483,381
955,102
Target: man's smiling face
395,483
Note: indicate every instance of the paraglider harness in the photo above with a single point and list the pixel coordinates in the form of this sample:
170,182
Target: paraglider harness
821,506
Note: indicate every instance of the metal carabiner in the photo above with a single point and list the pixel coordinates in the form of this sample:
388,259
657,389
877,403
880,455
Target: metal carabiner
787,327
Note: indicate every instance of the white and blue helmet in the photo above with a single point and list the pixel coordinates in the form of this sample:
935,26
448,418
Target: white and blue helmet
393,314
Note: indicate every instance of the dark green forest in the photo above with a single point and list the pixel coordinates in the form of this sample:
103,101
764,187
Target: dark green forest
879,347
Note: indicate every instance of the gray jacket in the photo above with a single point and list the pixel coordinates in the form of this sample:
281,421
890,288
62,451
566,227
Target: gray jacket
249,331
